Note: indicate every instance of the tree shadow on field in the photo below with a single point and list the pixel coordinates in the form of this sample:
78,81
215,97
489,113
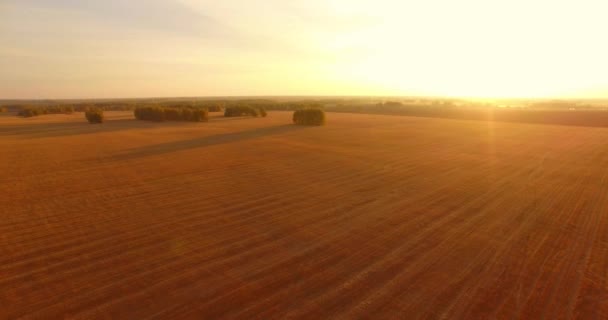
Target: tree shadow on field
60,129
207,141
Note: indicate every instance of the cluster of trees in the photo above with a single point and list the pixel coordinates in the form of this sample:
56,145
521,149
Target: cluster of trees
36,111
122,105
268,104
309,117
216,105
104,106
245,110
81,107
193,114
209,106
570,112
94,115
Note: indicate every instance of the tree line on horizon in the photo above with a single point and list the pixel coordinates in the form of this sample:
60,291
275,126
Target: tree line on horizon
565,112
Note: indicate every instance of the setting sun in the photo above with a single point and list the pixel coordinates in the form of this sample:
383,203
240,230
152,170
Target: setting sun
469,48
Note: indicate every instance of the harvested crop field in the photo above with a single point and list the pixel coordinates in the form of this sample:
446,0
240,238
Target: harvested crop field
254,218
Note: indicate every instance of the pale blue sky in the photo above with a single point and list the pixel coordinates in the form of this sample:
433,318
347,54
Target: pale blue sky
120,48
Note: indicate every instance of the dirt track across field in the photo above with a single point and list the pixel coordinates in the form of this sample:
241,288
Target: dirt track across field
367,217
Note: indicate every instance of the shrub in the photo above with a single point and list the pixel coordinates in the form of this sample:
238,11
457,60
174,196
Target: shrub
36,111
105,106
244,110
186,114
3,109
58,109
27,112
173,114
94,115
157,114
215,108
309,117
138,112
149,113
262,112
194,114
199,115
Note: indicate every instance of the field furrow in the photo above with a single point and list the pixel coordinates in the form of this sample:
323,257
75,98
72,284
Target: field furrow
367,217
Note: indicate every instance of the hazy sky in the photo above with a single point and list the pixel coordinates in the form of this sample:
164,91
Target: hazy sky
136,48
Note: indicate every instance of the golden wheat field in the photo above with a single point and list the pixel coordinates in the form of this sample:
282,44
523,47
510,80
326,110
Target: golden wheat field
255,218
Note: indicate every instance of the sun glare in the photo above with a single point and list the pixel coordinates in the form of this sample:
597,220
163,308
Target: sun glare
476,49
